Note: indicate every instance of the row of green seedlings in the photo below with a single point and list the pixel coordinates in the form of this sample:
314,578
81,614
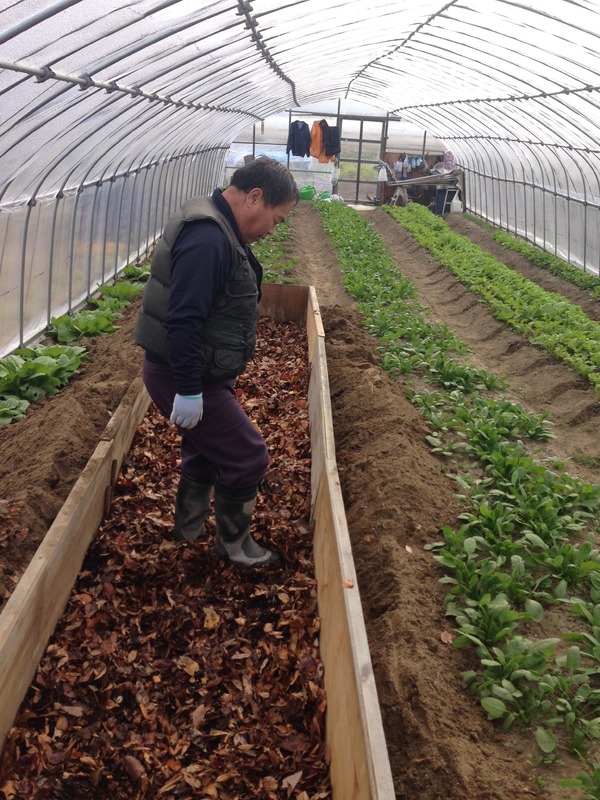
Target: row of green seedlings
31,373
526,542
273,255
543,260
545,318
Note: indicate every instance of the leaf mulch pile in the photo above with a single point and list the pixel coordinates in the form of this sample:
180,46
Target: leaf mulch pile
172,673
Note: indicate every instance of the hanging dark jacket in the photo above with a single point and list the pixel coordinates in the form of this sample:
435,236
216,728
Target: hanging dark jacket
331,139
228,335
298,143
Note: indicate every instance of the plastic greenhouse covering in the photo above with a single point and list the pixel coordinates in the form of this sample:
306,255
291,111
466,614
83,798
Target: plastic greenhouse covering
113,112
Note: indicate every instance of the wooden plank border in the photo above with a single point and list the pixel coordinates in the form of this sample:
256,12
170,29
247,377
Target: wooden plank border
30,616
360,768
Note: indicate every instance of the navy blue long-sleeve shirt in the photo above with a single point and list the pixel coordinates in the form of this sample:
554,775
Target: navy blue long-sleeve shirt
200,267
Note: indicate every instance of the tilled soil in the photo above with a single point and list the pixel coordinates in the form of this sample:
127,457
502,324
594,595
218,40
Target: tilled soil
398,495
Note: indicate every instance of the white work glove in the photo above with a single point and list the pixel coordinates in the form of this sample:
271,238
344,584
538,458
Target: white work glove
187,410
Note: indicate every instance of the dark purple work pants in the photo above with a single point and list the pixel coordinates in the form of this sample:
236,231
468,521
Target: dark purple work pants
225,445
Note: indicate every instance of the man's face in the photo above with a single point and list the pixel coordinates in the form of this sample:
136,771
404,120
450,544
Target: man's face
260,220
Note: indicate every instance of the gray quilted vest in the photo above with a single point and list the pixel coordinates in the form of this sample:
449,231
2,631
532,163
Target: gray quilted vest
229,333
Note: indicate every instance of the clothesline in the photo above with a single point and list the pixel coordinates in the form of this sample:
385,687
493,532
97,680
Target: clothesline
322,141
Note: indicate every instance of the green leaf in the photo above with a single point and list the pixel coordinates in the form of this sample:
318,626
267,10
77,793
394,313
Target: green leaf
561,590
470,545
536,540
12,409
495,708
535,609
573,658
546,740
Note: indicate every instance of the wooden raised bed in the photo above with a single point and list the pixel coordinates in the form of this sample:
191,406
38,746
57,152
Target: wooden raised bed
359,761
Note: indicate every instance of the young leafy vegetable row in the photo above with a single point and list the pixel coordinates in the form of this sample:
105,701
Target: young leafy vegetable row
272,254
526,539
31,373
547,319
539,258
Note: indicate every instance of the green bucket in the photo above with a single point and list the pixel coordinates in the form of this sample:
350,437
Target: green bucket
324,195
307,192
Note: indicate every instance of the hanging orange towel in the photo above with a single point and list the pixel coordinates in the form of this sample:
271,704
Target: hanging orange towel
317,147
316,140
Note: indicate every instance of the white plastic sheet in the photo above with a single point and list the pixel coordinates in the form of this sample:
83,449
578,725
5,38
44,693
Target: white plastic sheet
105,104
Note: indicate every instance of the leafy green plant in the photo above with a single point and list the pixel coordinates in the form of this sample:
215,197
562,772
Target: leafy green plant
546,318
67,328
12,409
121,290
508,419
450,374
32,373
508,684
573,704
137,272
552,263
471,578
588,781
109,306
490,619
572,563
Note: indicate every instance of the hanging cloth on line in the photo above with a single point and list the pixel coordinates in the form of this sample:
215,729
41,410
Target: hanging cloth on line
299,139
321,138
331,140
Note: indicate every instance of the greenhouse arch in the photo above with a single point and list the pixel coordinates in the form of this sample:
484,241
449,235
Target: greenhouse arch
113,113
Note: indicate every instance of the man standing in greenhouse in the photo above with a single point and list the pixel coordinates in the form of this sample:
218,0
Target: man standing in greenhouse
197,325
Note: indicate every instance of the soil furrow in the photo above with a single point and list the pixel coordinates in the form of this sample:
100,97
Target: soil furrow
536,378
397,496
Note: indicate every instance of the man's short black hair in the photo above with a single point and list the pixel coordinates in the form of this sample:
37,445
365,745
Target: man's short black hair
275,180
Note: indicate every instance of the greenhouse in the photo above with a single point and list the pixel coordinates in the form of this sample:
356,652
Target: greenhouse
425,378
111,117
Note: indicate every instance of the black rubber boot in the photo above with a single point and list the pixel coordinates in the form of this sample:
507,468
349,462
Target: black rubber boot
192,507
233,517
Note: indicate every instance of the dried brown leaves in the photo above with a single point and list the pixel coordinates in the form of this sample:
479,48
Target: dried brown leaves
173,674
